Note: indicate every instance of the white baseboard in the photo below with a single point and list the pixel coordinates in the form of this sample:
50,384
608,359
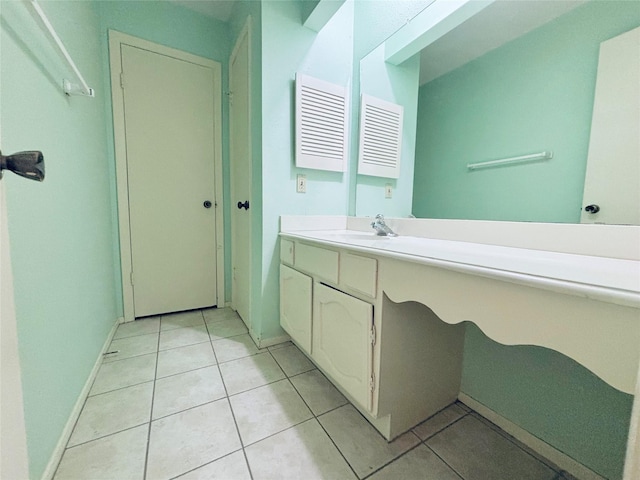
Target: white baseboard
549,452
56,456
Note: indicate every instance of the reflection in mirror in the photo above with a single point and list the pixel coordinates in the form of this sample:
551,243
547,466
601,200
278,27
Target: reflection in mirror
508,92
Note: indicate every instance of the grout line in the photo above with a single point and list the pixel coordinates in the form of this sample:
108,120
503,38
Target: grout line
532,453
120,388
187,371
336,445
233,415
440,430
368,475
101,437
444,461
153,397
204,465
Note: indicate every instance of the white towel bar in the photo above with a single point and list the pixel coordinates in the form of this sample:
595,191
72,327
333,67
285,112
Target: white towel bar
534,157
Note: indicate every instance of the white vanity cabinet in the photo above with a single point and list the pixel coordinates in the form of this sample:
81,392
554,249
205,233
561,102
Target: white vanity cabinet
295,306
319,311
343,341
397,363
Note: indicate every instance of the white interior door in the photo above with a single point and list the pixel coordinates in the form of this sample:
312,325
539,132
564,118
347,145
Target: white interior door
240,139
169,129
613,167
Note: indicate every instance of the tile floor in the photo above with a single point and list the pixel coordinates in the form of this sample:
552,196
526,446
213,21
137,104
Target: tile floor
190,396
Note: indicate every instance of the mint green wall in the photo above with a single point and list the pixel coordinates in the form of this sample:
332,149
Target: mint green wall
374,22
307,7
287,48
399,85
552,397
533,94
475,113
176,27
61,229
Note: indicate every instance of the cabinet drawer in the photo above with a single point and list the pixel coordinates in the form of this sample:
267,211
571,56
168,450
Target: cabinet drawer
317,261
359,273
287,251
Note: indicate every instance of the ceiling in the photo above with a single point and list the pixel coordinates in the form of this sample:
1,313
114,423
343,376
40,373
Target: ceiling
497,24
218,9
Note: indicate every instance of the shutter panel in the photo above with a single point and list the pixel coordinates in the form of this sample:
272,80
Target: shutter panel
380,138
321,124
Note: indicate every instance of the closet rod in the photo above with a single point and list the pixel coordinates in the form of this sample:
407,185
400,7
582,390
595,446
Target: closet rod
68,87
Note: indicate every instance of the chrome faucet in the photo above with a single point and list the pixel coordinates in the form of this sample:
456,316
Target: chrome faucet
382,228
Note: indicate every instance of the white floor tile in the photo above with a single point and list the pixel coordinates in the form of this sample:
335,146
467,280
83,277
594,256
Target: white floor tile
124,373
229,327
180,337
292,360
116,457
301,452
171,321
440,420
190,439
233,348
132,346
138,327
231,467
477,452
112,412
250,372
318,392
280,345
183,359
267,410
218,314
419,463
185,390
363,447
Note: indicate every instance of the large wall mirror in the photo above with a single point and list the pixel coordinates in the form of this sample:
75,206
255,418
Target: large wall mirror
516,78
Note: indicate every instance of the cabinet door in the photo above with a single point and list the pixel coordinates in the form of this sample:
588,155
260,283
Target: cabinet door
295,306
342,341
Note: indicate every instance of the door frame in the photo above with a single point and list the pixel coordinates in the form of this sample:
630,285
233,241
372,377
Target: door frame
244,32
116,40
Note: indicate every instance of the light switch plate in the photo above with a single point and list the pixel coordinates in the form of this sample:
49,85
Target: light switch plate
301,183
388,190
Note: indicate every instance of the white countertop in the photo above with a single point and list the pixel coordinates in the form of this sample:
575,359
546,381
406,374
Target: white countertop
601,278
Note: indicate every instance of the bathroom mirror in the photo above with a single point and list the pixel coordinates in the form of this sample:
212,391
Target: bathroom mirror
516,78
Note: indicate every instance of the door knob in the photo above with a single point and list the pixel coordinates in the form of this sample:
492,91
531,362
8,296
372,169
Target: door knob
592,209
244,205
207,204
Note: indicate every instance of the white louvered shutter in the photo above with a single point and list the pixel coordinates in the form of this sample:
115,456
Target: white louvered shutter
380,138
321,124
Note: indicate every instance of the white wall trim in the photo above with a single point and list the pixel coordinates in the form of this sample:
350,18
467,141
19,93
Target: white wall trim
116,39
549,452
56,456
